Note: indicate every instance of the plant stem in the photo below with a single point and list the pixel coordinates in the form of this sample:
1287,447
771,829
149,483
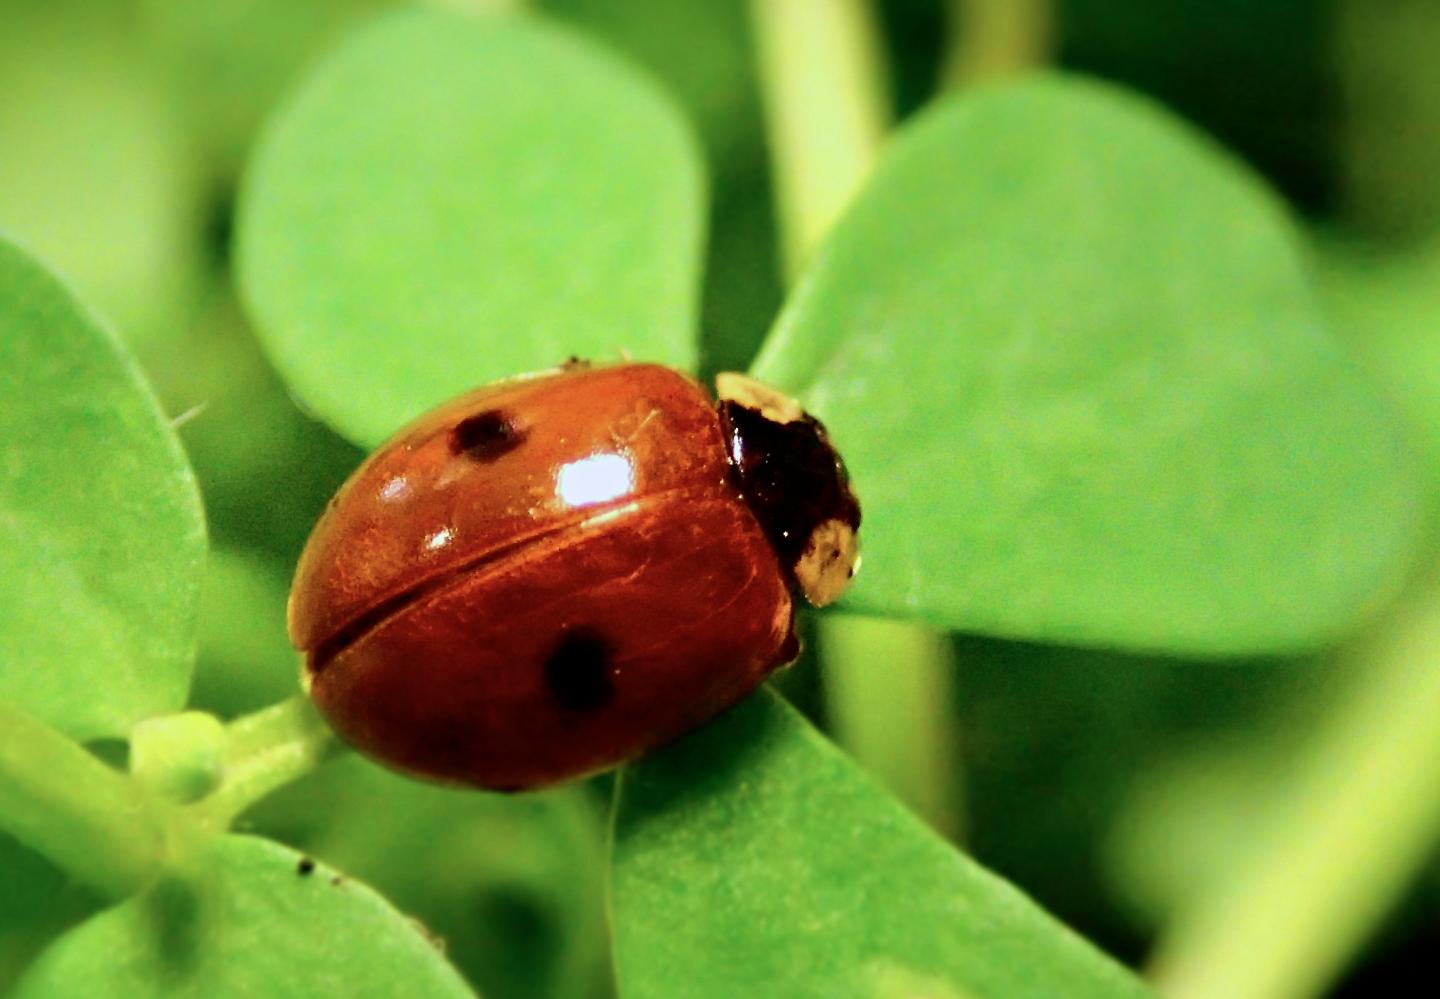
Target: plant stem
889,689
826,112
993,38
97,825
886,682
264,752
1361,818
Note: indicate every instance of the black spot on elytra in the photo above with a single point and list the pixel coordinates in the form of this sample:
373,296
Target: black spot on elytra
305,867
486,436
577,673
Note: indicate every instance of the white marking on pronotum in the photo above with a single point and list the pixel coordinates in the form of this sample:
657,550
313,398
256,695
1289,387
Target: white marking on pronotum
768,402
828,562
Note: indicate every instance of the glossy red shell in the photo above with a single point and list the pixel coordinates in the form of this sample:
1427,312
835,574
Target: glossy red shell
540,580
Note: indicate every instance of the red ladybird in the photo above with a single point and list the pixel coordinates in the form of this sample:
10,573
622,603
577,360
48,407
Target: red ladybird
550,575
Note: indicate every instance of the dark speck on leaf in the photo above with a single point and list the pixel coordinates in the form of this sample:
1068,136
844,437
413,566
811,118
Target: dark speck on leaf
306,866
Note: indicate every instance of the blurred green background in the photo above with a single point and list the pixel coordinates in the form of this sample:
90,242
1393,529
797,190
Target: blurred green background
1111,788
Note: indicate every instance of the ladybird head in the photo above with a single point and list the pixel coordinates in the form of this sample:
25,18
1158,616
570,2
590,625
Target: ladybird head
795,483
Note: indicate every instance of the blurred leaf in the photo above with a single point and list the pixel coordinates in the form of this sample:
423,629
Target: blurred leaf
1190,818
512,884
757,833
702,52
1352,825
450,201
249,923
244,434
96,174
1198,807
1060,743
246,662
1387,306
229,60
1069,354
101,533
37,902
742,277
1259,76
1389,135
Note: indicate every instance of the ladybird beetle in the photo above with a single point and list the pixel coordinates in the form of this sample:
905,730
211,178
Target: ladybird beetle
550,575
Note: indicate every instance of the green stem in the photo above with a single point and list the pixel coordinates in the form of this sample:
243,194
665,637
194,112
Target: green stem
890,696
1360,818
994,38
97,825
826,112
886,683
106,829
264,752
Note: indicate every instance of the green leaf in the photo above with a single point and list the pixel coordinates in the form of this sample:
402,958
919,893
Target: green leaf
704,55
1069,353
1387,307
37,902
752,858
449,201
250,922
101,533
220,378
512,883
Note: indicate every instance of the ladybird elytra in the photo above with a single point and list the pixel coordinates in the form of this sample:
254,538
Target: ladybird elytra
548,576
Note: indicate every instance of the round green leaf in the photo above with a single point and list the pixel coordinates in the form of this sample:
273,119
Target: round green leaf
101,532
703,54
754,859
1069,353
1387,307
512,883
449,201
256,920
38,903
